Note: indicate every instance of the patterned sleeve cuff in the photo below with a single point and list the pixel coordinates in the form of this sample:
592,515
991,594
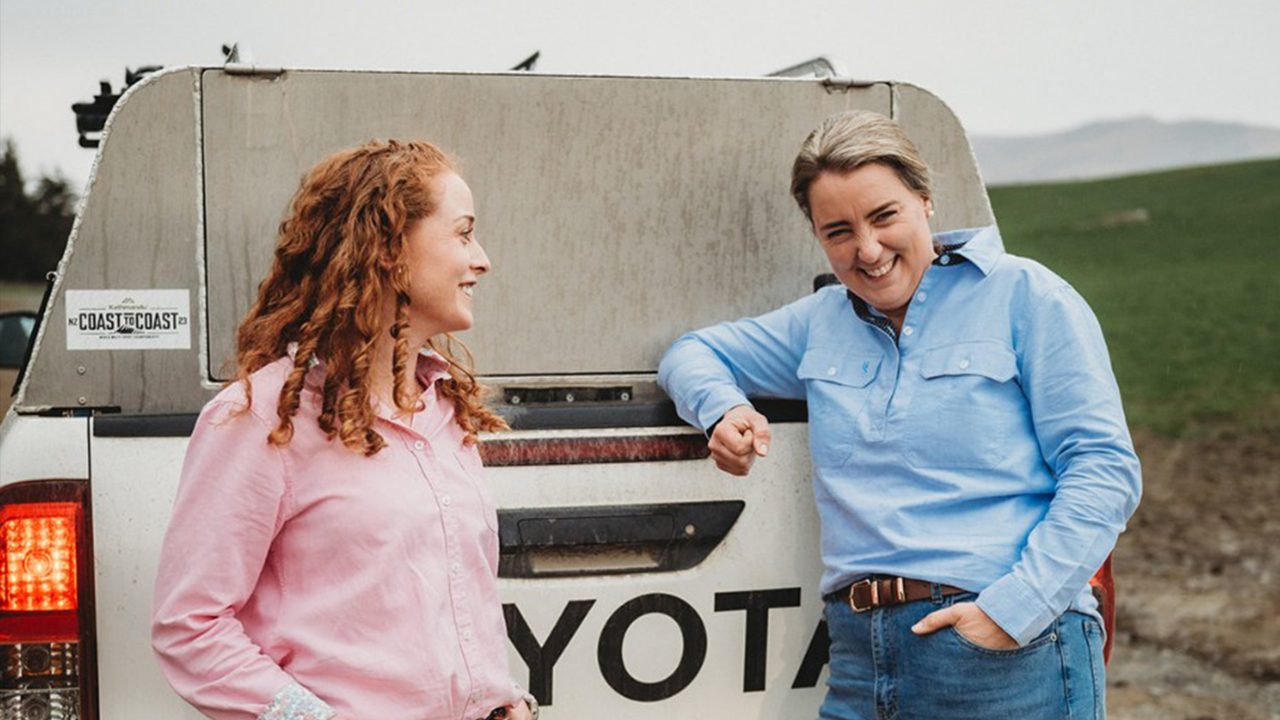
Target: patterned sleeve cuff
295,702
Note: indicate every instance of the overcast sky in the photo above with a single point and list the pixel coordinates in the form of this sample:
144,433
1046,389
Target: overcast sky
1004,66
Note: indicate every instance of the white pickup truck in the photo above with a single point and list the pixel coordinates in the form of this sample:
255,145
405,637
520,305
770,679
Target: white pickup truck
618,212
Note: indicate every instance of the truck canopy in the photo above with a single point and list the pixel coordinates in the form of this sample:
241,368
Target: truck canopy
618,212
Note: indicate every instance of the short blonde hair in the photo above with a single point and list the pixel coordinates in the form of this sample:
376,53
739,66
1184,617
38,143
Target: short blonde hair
846,141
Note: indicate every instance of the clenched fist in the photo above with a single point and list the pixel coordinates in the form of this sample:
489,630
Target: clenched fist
740,437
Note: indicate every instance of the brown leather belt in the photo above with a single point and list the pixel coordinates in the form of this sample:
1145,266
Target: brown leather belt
872,593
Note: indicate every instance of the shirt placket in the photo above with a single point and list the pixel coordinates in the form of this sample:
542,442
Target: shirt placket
912,335
451,524
883,389
885,386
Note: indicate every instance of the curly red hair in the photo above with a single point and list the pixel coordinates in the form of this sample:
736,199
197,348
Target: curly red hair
339,253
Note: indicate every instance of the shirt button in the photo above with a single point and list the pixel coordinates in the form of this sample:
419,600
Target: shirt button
921,296
456,568
419,445
466,635
964,364
446,501
945,260
831,370
907,330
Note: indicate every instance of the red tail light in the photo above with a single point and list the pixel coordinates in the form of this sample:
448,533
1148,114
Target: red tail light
39,545
47,659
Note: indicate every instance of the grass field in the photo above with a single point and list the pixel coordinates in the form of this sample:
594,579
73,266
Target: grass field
1181,269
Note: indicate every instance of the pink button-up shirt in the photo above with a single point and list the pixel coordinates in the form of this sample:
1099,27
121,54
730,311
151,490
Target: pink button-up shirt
300,581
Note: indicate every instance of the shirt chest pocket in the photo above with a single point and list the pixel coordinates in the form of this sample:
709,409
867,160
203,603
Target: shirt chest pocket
468,458
837,386
968,407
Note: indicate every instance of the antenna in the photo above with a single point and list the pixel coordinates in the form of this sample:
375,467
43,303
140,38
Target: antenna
526,64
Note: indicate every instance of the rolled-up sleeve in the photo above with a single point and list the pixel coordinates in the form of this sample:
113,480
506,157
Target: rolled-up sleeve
232,499
1080,426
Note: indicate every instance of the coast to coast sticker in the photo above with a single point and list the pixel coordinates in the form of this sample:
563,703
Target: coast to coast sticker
128,320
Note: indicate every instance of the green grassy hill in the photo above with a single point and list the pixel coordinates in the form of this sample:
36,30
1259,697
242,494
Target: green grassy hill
1183,271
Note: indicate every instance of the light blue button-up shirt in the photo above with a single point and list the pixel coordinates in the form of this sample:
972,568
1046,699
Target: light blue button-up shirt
984,446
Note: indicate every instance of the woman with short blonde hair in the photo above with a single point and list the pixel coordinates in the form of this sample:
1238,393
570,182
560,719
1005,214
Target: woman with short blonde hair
971,463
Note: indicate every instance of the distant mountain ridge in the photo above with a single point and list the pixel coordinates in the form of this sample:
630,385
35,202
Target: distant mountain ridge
1120,147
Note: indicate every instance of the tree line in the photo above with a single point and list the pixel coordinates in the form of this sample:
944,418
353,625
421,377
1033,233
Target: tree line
35,219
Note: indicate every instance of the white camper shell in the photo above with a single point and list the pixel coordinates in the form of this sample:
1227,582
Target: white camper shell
618,212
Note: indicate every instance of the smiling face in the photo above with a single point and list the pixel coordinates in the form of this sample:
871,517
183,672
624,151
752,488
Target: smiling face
444,260
875,232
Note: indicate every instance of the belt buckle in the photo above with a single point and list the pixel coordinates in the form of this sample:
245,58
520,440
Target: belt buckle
869,589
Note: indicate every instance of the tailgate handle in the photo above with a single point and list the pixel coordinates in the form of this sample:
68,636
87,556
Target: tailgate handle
611,539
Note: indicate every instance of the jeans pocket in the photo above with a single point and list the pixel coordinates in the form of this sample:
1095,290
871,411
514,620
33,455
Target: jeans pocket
1047,637
952,676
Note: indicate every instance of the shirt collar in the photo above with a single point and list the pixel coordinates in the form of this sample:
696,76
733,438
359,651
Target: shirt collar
868,315
980,246
431,367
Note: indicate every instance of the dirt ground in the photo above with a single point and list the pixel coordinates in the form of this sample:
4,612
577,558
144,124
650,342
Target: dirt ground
1198,575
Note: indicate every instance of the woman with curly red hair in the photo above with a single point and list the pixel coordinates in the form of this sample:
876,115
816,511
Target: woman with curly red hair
333,550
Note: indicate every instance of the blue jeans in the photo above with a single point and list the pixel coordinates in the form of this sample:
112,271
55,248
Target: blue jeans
881,670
